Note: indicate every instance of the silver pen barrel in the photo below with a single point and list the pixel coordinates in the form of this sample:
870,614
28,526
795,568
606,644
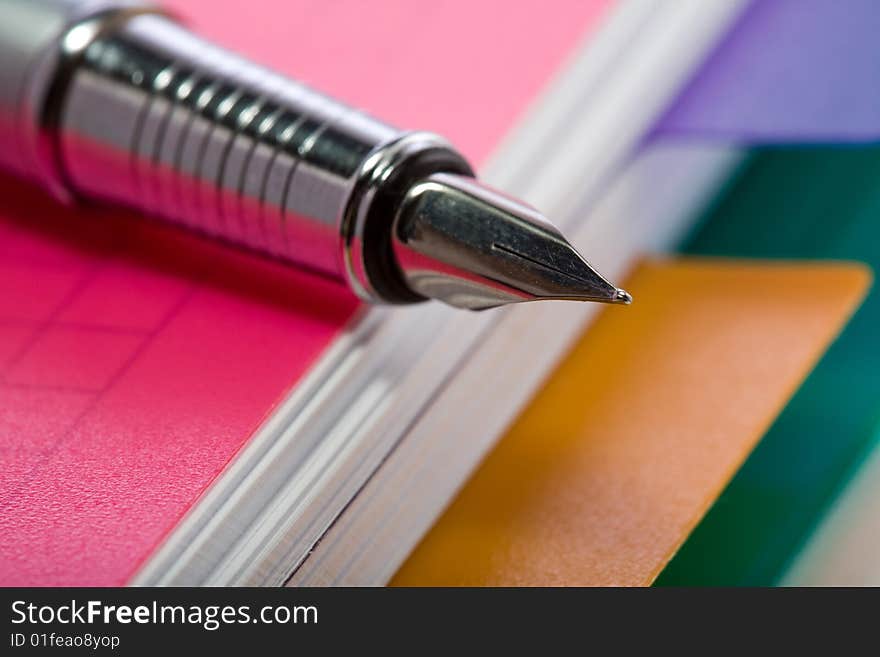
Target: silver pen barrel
116,101
121,103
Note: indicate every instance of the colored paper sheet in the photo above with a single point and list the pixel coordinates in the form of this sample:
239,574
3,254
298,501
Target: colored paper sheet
801,71
135,362
609,468
844,550
794,203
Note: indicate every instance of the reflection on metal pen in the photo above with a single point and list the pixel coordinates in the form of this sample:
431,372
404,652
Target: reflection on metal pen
112,100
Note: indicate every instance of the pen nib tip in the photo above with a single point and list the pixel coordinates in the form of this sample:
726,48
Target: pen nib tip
465,244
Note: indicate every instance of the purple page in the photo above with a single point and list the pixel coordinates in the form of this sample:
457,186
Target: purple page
790,71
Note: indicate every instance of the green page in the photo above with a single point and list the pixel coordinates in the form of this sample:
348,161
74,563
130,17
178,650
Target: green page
794,203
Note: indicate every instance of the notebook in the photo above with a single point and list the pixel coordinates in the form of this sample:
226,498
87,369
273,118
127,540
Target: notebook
174,412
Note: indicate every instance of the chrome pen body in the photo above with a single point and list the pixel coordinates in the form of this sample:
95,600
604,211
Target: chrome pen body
115,101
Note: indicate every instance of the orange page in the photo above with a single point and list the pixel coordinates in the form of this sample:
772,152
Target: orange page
615,461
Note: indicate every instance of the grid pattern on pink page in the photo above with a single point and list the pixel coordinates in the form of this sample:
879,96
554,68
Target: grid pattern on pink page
135,360
134,365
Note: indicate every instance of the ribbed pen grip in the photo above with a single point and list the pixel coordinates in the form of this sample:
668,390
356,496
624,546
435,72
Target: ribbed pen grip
159,119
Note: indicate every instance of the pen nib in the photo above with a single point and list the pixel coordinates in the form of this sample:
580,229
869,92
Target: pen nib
472,247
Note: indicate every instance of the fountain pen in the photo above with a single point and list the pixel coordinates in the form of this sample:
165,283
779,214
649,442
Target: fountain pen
115,101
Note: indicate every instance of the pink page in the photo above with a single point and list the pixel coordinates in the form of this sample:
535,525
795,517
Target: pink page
135,360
